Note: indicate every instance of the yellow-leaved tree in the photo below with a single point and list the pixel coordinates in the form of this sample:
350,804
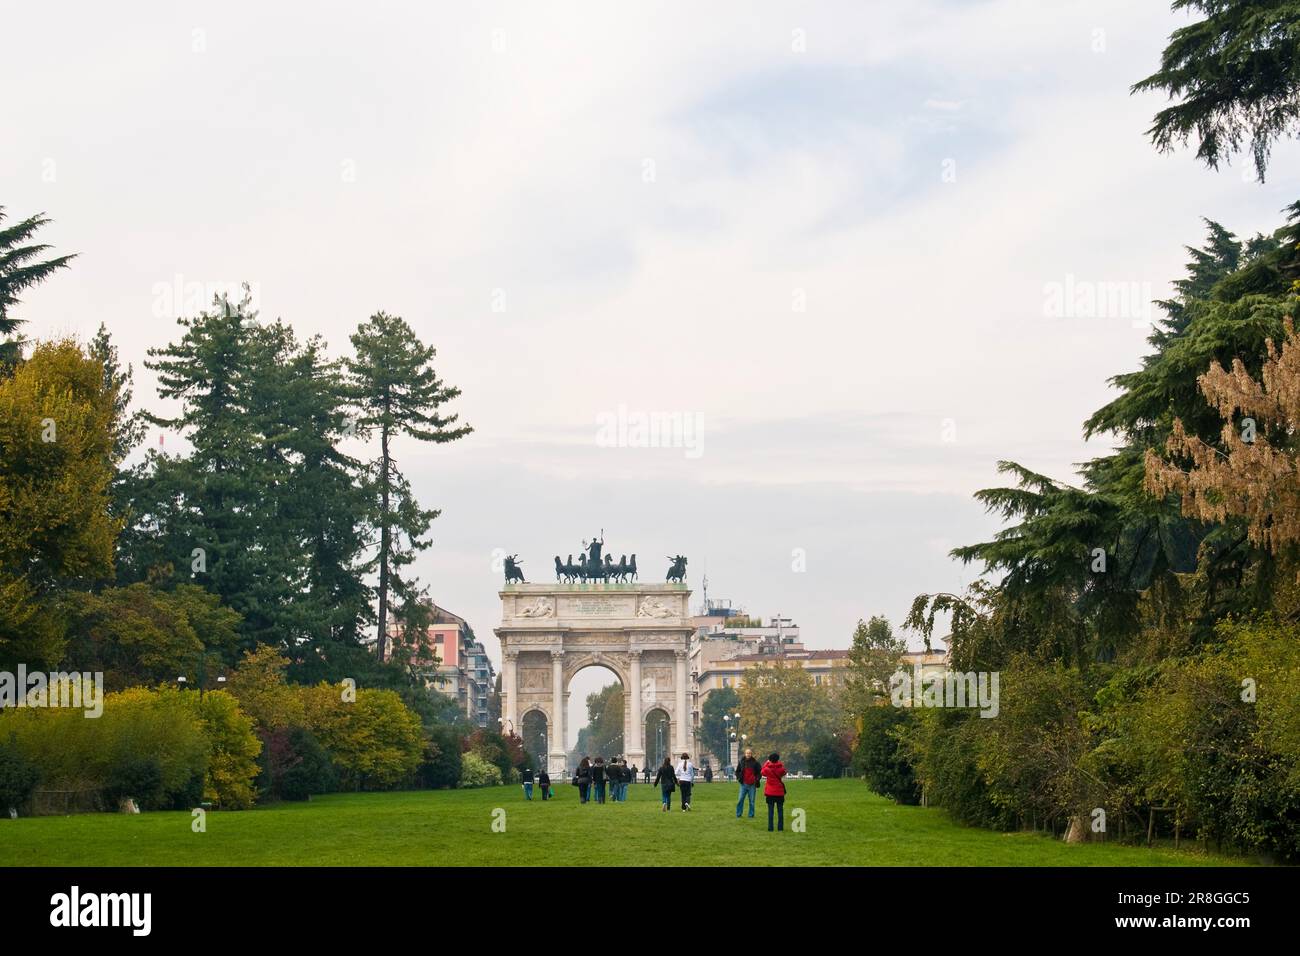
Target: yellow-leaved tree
782,708
56,445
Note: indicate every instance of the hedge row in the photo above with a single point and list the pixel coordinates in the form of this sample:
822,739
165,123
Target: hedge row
1204,747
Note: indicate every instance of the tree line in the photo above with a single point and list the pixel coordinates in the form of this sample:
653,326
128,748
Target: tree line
1144,618
274,551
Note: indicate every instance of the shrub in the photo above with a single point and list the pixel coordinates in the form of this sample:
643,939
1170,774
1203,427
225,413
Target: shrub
942,747
440,764
1035,755
165,747
828,758
232,750
497,750
18,778
73,752
310,770
880,758
375,742
135,777
475,771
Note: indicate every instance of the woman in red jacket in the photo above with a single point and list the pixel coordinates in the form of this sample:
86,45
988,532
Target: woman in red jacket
774,790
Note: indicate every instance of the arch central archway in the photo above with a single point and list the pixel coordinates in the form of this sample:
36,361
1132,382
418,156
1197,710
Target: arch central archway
608,733
535,729
641,632
656,729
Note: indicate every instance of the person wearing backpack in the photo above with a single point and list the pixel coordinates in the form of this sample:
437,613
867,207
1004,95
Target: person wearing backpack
774,790
666,777
582,780
619,770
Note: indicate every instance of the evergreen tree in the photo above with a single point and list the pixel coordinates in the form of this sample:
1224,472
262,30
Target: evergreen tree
1237,73
396,392
20,268
325,504
1056,599
211,509
128,428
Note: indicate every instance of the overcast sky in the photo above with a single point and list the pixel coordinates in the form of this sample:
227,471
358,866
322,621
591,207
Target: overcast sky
830,235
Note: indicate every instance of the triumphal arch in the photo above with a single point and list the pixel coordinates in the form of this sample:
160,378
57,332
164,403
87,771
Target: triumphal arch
549,632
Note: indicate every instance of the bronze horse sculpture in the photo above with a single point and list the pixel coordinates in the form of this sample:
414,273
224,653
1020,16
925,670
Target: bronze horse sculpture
588,570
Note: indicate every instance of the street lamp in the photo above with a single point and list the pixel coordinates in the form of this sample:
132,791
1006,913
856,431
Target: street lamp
733,727
182,682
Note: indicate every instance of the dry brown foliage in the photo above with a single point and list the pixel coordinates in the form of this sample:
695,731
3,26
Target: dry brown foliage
1255,480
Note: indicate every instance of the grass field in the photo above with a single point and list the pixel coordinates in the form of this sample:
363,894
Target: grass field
845,825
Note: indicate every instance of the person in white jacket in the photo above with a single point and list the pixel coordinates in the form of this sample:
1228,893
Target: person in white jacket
685,778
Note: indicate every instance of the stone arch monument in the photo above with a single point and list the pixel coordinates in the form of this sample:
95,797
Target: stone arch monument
641,632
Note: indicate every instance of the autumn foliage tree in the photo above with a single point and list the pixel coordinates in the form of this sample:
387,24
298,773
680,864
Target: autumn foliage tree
55,471
1254,473
782,708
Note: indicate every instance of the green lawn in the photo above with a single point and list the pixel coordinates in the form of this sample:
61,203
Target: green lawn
845,825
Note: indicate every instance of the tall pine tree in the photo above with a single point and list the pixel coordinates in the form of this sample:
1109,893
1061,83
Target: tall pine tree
396,392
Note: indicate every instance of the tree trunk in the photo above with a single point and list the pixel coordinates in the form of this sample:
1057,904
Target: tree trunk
381,639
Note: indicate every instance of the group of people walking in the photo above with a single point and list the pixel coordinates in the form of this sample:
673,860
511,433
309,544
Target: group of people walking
670,776
543,783
595,778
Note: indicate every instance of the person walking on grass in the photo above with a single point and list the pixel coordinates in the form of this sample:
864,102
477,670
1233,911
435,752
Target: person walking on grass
774,790
599,776
620,780
544,784
750,774
686,777
528,783
667,780
582,780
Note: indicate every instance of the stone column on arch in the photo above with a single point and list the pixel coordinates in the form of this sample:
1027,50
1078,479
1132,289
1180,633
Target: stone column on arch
510,690
683,742
634,745
556,759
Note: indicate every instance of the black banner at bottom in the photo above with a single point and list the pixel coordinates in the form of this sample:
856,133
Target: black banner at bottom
340,904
